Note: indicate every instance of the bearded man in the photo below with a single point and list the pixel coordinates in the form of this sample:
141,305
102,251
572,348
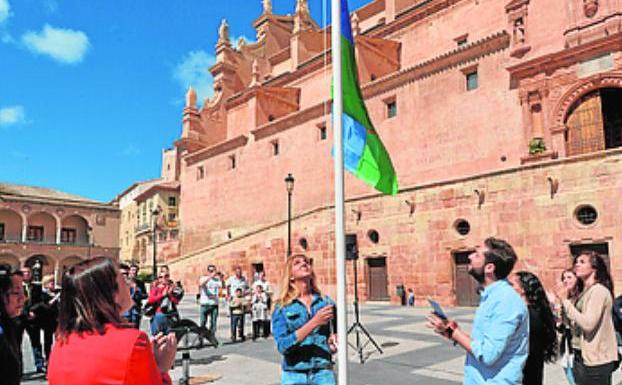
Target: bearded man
499,342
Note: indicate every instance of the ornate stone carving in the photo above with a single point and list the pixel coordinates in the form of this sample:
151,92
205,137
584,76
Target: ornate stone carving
590,7
302,7
223,33
267,7
517,23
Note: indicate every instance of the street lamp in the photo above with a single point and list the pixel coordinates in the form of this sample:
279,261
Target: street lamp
155,214
289,185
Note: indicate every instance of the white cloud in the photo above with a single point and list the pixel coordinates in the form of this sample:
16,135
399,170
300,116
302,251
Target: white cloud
12,115
63,45
192,70
5,10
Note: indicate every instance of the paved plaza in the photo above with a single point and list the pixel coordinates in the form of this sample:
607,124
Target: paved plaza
412,353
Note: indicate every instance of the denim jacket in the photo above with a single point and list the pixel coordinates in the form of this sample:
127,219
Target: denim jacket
312,352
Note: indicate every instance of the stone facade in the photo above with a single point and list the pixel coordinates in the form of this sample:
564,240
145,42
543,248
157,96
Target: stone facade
55,228
496,113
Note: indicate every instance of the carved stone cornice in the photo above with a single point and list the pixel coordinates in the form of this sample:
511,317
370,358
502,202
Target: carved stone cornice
549,63
215,150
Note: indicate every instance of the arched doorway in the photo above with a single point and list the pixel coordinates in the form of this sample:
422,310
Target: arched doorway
41,228
11,260
594,122
11,225
47,266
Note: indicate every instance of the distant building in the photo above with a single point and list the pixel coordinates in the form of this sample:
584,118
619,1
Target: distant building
502,117
55,228
138,203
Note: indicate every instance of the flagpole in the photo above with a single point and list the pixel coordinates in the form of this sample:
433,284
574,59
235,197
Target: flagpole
342,354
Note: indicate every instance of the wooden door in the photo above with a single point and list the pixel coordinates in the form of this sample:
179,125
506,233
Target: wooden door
378,282
585,126
467,293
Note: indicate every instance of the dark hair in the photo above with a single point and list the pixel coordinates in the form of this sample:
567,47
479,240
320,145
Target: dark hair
578,286
598,264
6,272
500,254
135,265
537,300
124,266
87,301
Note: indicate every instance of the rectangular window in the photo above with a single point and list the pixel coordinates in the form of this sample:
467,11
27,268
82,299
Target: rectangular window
200,173
173,234
1,231
162,236
172,217
68,235
471,81
462,40
322,133
172,201
391,109
35,233
275,147
232,163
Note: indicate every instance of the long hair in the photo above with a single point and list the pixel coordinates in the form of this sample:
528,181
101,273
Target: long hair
537,300
5,287
601,275
288,291
578,287
87,301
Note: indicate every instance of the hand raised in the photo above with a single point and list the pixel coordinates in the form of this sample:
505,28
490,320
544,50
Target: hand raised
323,316
164,349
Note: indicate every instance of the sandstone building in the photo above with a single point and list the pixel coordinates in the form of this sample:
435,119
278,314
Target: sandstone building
502,117
145,205
55,228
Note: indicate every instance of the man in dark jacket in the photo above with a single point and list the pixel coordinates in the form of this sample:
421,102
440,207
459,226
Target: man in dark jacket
34,298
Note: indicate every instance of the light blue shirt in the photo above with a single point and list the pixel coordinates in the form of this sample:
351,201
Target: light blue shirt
499,339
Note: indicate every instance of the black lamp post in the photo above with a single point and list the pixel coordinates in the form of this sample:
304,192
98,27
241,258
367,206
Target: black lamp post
155,214
289,185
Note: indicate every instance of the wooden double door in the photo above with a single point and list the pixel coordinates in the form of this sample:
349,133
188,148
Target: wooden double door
467,288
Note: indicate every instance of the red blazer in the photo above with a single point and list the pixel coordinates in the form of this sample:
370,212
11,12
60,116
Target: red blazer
118,357
156,295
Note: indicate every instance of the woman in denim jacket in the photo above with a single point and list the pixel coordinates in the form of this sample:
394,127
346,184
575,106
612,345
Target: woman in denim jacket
302,327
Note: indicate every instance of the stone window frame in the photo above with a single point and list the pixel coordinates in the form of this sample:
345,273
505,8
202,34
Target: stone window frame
469,71
390,107
35,233
68,235
462,40
578,223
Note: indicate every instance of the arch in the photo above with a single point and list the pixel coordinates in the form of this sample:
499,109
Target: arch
567,101
67,262
75,229
47,222
47,264
12,224
11,260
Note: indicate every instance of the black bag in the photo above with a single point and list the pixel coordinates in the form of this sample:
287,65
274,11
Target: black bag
150,309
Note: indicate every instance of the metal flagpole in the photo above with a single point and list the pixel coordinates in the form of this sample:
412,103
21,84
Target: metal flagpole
340,249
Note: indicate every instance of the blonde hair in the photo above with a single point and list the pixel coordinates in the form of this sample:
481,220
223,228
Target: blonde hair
47,279
288,291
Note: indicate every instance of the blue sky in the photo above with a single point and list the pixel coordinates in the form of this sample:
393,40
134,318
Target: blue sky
92,91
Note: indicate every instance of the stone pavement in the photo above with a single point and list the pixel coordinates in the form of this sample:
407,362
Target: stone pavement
412,353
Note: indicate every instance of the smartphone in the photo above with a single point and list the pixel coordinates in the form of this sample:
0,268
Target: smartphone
437,309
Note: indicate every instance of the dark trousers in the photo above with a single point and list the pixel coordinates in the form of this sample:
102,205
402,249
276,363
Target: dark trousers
591,375
237,325
34,334
209,312
262,325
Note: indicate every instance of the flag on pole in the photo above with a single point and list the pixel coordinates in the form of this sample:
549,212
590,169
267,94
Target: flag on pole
364,154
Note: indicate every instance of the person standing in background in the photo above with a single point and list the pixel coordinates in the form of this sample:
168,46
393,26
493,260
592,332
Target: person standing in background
209,293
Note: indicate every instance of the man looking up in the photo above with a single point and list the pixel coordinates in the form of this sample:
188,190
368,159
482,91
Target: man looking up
499,343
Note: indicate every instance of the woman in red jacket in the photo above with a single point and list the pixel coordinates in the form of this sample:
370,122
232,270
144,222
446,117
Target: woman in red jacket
95,345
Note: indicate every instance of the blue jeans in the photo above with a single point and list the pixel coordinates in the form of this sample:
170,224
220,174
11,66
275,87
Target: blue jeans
211,312
569,375
320,377
237,326
159,323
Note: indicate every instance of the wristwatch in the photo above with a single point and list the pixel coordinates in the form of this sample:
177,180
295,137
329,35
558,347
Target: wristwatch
449,330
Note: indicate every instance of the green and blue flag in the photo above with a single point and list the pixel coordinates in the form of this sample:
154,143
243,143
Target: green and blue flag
363,152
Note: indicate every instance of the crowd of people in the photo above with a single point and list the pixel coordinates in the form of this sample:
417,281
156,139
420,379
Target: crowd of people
91,328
